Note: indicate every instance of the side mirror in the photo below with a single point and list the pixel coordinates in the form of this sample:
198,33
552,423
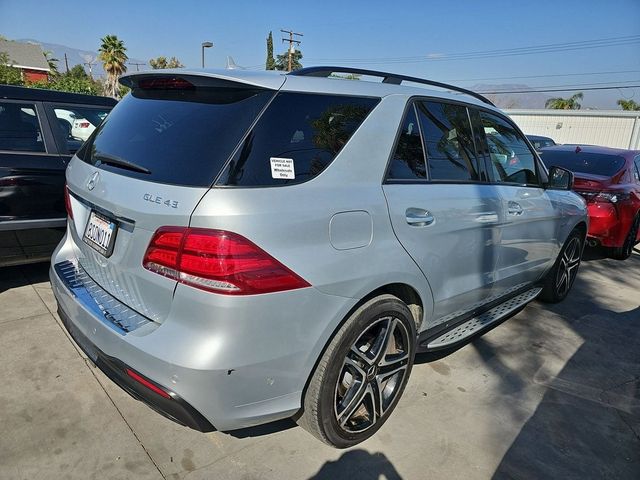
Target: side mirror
560,179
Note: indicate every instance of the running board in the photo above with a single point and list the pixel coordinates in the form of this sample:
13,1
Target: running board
482,321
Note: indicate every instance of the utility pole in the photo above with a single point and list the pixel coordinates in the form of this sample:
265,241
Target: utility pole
137,65
66,62
89,64
291,42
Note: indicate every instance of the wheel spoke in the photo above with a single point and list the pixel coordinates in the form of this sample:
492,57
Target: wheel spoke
359,356
382,341
354,397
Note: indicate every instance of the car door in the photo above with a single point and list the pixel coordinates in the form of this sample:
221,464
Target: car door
32,212
443,215
530,234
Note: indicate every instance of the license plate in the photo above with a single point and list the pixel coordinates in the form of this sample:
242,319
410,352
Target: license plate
100,233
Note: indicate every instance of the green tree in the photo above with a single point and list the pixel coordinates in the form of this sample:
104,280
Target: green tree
282,61
628,104
161,63
68,83
53,63
571,103
77,71
9,75
271,62
112,53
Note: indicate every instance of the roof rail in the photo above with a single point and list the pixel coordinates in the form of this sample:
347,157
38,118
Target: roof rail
391,78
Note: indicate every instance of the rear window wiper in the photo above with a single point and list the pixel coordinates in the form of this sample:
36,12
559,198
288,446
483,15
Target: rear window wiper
119,162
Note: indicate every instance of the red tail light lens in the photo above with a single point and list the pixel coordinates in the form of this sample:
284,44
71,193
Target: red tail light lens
67,202
84,124
217,261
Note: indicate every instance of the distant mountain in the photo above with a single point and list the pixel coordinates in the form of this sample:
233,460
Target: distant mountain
512,100
76,57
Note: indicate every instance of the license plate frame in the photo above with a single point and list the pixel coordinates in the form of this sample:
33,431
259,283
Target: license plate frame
100,233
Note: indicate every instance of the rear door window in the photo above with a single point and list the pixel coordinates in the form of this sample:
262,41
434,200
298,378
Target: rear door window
180,137
20,128
407,162
74,125
448,141
296,138
636,172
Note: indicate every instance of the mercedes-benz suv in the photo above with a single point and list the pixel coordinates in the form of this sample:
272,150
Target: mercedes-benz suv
244,247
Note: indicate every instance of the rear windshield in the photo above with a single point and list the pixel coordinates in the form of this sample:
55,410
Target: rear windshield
175,137
581,162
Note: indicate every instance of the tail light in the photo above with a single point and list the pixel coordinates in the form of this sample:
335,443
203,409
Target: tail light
217,261
84,124
67,202
604,197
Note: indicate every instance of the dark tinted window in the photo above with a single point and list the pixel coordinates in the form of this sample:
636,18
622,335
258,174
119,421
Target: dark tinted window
637,170
511,159
182,137
74,125
583,162
20,128
296,138
447,138
407,162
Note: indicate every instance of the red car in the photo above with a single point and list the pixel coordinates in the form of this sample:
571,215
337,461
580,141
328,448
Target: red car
609,181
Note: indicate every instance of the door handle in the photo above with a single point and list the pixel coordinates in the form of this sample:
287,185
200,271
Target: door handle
419,217
515,209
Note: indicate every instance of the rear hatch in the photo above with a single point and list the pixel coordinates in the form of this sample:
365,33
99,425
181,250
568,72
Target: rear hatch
147,166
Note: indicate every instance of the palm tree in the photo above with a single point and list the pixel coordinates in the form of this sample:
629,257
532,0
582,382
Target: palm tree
53,62
113,56
628,104
560,103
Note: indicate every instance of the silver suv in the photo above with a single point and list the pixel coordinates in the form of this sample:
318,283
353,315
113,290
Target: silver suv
244,247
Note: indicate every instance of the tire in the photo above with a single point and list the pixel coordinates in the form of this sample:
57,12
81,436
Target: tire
357,384
559,280
625,251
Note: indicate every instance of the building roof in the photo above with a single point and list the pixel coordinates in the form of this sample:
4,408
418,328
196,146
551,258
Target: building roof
25,55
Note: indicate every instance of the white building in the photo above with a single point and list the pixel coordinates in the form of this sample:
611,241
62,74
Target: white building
609,128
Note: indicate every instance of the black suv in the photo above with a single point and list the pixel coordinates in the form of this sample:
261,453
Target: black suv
39,132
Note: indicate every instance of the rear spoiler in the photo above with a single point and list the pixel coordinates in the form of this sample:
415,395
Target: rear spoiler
180,78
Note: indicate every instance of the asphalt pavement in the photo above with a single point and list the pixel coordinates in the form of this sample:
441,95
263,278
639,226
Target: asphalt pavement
553,392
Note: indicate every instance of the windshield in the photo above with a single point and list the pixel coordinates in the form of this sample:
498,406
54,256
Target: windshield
581,162
174,137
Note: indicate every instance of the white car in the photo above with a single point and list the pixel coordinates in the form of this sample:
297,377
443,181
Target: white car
81,128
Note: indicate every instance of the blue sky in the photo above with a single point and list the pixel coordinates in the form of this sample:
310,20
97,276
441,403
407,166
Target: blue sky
339,30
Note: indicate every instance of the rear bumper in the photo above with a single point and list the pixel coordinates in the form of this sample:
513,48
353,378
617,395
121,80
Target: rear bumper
230,362
174,408
605,225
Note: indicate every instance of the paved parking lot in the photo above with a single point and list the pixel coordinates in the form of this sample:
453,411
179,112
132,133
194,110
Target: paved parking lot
553,392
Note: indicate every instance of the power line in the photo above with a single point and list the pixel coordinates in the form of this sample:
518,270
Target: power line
529,50
612,87
541,76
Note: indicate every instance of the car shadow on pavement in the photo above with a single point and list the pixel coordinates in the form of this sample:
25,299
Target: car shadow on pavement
587,423
358,464
23,275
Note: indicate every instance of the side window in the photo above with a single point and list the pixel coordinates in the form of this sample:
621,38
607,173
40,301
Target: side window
75,124
20,128
296,138
636,173
407,162
511,160
448,141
